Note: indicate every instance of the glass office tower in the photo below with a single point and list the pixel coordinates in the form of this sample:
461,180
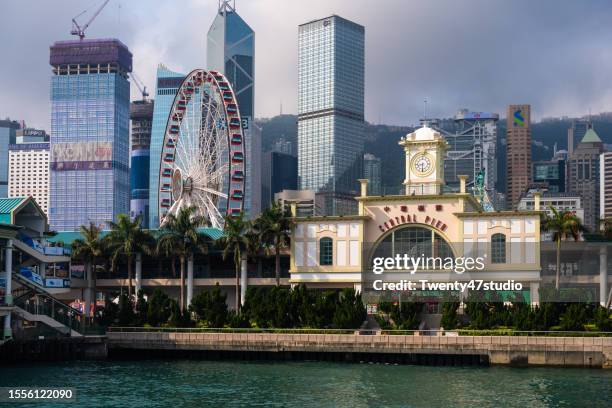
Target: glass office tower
90,113
231,51
167,85
331,110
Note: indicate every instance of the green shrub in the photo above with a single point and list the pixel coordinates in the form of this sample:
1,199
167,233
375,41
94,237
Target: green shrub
210,308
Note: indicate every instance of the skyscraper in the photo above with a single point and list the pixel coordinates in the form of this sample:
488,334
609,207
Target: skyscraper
583,176
141,114
8,131
576,132
279,172
90,113
518,142
231,51
166,87
331,110
372,170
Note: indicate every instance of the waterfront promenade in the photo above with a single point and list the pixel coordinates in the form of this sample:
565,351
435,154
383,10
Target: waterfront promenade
449,349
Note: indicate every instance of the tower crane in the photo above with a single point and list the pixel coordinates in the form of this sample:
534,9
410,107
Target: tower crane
80,31
140,85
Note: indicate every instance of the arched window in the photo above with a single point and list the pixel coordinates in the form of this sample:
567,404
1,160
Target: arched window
414,241
326,251
498,248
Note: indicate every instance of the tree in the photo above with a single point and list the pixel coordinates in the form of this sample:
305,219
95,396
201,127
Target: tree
275,228
89,250
563,225
179,235
235,241
210,307
125,239
350,311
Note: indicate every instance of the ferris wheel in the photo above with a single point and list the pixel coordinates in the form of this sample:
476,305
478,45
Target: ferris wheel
202,159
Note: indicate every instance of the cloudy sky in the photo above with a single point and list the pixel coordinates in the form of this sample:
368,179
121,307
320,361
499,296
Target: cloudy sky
481,54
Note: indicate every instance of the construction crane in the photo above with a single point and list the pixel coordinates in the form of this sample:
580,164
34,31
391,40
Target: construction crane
80,31
139,84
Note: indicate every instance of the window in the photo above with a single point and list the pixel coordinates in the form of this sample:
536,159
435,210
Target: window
326,255
498,248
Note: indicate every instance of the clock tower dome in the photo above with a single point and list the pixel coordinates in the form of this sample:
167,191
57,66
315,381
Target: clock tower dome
424,150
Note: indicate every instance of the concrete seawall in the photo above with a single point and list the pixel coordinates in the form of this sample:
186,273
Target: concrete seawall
503,350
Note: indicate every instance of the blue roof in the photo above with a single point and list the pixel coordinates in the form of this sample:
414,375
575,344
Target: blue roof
68,237
7,205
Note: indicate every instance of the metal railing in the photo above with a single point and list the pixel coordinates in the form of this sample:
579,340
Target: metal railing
41,304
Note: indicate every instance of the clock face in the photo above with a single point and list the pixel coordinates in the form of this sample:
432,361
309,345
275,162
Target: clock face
423,164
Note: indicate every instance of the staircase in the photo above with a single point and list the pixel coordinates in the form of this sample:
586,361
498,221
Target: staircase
33,303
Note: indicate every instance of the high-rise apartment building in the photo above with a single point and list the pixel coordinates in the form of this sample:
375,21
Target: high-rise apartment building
166,86
231,51
518,143
141,114
605,185
583,176
29,167
372,170
331,110
90,114
8,132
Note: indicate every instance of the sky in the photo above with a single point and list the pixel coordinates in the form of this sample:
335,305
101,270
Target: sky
477,54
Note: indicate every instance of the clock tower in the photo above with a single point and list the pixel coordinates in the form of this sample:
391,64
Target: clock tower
424,150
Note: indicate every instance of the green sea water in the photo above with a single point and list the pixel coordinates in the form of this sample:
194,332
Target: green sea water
181,383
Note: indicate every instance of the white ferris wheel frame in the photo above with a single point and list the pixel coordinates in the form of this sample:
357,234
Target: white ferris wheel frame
203,161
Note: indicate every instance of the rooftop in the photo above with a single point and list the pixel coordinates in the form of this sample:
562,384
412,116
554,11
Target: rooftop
591,137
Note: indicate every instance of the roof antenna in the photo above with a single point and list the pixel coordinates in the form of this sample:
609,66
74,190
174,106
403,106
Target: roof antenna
425,121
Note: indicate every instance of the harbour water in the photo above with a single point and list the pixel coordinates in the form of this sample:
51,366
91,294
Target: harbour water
181,383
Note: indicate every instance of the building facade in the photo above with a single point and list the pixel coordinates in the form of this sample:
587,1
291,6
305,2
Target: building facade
605,185
334,251
518,142
8,135
141,114
306,203
583,176
29,168
231,51
167,84
551,172
558,200
331,110
279,172
372,171
90,113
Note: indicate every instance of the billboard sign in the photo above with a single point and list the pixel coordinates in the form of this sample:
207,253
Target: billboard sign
81,156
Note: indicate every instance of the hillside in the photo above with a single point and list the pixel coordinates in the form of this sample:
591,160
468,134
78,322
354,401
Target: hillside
381,141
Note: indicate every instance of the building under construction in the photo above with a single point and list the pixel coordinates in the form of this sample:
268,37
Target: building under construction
472,139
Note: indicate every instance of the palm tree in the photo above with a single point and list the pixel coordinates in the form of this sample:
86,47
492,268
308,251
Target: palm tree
89,249
275,228
236,242
563,225
125,239
179,236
